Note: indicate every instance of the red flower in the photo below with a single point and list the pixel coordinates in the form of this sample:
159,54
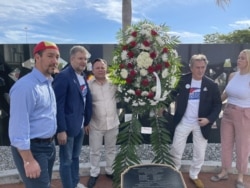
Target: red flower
151,69
129,80
130,65
158,67
133,73
130,54
151,95
138,92
133,44
146,43
153,32
153,55
134,34
145,82
167,64
125,47
122,66
165,50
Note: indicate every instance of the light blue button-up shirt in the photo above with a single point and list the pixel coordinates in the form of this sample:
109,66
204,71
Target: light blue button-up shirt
32,110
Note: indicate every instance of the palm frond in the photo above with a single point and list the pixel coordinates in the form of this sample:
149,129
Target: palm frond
222,3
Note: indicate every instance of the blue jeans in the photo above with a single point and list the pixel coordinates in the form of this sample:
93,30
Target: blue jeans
69,160
44,153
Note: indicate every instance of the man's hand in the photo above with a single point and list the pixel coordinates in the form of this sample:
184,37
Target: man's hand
87,129
32,169
62,138
203,121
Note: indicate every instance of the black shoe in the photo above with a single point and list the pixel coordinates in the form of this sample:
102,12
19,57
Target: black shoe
110,176
92,181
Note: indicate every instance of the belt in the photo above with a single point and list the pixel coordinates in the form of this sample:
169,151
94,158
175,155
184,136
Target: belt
42,140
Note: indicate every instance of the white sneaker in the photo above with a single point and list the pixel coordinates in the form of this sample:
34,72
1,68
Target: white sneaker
79,185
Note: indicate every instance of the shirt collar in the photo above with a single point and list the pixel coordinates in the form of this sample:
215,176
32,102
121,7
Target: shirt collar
40,76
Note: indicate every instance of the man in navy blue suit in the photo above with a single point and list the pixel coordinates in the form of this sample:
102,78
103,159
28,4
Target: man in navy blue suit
198,105
74,108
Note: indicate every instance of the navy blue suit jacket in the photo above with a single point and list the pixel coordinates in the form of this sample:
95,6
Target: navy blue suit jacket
70,103
210,101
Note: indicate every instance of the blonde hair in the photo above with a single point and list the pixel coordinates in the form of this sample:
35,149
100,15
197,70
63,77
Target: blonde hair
199,57
247,52
79,48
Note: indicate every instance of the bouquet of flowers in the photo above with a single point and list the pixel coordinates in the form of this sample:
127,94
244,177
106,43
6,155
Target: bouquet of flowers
145,66
145,69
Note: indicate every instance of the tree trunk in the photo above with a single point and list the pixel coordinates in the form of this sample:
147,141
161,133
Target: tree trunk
126,13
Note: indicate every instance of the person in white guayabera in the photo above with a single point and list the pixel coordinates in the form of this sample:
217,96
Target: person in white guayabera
104,121
198,105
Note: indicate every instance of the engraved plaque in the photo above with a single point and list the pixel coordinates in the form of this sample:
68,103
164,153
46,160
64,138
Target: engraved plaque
152,176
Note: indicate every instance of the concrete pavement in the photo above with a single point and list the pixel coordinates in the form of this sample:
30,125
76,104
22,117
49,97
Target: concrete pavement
209,168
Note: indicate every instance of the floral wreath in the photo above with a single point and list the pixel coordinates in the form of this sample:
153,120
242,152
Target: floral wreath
145,69
145,65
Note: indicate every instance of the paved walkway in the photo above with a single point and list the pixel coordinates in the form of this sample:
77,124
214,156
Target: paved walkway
10,178
104,182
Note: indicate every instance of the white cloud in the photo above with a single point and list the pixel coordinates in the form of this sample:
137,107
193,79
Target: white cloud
241,24
109,8
20,18
47,19
112,9
188,37
28,11
215,28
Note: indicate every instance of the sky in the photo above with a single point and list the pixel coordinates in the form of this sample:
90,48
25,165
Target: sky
98,21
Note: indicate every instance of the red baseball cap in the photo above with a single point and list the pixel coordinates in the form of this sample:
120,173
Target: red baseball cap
44,45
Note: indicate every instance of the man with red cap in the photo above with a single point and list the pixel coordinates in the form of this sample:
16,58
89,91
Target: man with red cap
32,123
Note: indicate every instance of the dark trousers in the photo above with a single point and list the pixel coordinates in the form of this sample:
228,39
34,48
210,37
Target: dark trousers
44,153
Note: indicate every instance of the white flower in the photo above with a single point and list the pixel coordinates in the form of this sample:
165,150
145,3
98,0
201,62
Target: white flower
164,57
119,88
175,53
115,58
124,55
153,103
137,83
141,103
145,32
128,31
124,73
134,103
153,88
127,99
144,60
131,91
144,93
147,26
143,72
142,47
159,40
164,73
130,39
